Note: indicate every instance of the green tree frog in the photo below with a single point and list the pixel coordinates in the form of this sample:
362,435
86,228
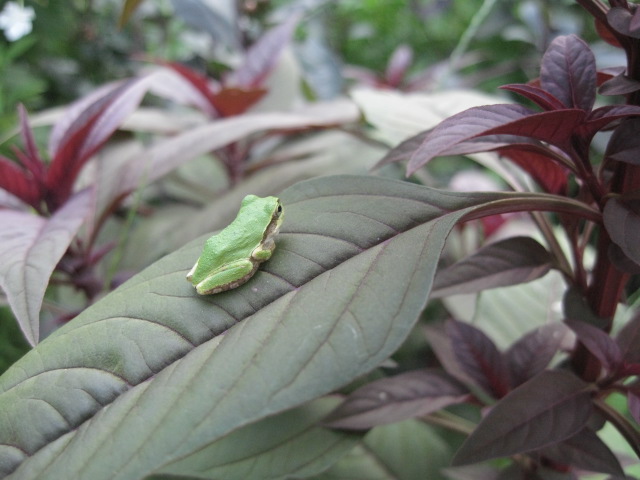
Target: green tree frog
231,257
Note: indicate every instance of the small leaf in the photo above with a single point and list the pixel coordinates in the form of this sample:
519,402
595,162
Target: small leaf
235,101
507,262
623,21
629,339
619,85
600,344
262,56
541,163
624,144
403,151
479,357
540,97
603,116
464,126
586,451
18,182
622,221
388,400
568,72
532,353
398,64
550,407
32,246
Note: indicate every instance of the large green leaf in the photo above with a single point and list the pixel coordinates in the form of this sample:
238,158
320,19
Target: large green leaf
154,373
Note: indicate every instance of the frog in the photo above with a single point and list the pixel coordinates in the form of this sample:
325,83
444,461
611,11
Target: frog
231,257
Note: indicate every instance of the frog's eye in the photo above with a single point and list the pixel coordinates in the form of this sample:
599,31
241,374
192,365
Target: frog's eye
279,208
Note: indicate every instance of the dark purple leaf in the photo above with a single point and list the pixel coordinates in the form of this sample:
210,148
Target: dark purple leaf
443,350
568,72
398,64
507,262
603,116
532,353
629,340
30,248
464,126
586,451
541,163
555,127
622,221
633,401
479,357
262,56
621,261
18,182
623,21
393,399
619,85
404,150
537,95
550,407
624,144
600,344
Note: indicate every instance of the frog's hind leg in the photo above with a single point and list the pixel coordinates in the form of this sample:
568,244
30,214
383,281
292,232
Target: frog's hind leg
234,274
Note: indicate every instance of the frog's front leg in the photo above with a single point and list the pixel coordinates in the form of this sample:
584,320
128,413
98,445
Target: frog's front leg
233,275
263,252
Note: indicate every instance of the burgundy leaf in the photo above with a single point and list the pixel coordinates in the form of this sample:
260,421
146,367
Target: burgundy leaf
398,64
88,132
605,32
624,144
586,451
479,357
551,407
622,221
464,126
31,160
262,56
628,340
541,163
601,345
31,247
619,85
18,182
234,101
532,353
568,72
623,21
403,150
540,97
507,262
555,127
603,116
393,399
200,83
